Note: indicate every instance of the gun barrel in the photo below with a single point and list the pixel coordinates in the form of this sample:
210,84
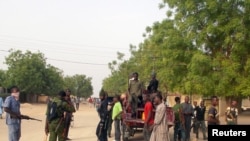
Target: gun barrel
34,119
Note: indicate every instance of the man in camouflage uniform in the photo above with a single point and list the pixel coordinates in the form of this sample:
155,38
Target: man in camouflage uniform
68,115
55,127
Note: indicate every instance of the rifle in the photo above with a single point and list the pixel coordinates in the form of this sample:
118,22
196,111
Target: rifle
232,117
100,129
58,125
29,118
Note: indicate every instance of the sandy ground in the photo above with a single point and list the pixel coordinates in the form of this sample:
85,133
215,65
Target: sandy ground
85,123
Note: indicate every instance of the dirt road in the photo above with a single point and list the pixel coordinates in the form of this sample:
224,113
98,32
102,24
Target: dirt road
85,123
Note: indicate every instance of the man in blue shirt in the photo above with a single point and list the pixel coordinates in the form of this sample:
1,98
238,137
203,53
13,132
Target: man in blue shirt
13,115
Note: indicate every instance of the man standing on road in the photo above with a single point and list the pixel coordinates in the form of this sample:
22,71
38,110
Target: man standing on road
116,116
68,116
102,127
55,126
200,120
110,121
77,100
213,116
149,117
187,111
13,114
160,127
135,91
179,131
232,113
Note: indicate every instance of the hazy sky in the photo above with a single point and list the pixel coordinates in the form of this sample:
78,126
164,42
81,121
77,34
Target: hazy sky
77,36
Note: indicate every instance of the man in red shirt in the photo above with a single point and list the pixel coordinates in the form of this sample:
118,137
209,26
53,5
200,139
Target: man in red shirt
149,117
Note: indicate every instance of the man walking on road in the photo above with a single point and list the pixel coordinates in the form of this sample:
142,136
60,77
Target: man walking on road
200,120
187,111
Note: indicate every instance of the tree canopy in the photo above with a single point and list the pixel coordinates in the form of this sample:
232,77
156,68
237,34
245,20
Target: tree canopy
80,85
201,47
33,75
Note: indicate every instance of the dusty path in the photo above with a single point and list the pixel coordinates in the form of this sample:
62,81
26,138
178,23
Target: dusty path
85,123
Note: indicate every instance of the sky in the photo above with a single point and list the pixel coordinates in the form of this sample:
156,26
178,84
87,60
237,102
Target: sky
76,36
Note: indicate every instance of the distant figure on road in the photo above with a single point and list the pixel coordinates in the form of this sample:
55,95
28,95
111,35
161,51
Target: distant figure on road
1,107
90,101
232,113
77,101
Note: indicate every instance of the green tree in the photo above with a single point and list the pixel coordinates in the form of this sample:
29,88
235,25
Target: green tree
2,77
220,30
30,72
80,85
202,47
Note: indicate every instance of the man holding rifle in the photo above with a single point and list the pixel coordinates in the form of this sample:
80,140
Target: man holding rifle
232,113
13,114
68,115
102,127
55,125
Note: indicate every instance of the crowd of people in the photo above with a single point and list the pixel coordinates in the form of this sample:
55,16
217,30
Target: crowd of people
61,108
187,116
